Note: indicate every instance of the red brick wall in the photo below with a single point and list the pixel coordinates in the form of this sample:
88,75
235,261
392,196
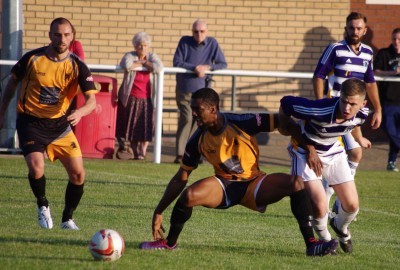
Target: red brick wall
382,19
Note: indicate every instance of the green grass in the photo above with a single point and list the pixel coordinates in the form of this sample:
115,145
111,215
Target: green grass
122,195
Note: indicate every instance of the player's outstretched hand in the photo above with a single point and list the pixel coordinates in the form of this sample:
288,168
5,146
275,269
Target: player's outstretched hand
364,142
157,227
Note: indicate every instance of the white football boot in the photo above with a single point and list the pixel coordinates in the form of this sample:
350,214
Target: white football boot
44,215
69,225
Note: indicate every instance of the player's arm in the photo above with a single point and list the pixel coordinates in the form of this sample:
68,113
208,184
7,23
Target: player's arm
373,95
172,191
381,72
87,108
357,134
287,127
318,85
323,68
9,93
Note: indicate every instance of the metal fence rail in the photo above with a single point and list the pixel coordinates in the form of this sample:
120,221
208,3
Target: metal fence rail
172,70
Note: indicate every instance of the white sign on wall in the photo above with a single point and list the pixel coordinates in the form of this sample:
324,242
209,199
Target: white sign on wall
383,2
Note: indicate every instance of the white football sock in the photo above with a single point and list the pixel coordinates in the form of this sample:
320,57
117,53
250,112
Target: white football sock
321,228
343,219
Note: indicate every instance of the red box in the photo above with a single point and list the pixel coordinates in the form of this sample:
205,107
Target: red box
96,131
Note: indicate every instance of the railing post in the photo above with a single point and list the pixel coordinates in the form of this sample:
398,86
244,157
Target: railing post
233,104
158,117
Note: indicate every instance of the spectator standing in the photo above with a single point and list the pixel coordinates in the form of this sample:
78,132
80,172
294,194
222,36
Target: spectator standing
50,77
135,106
198,53
76,46
387,63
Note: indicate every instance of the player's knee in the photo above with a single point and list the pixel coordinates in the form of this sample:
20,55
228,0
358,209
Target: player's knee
298,183
77,178
189,198
350,207
186,198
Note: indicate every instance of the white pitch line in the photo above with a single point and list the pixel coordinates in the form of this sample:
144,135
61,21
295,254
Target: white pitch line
143,178
380,212
105,173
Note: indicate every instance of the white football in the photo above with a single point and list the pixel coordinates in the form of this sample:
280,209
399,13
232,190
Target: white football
107,245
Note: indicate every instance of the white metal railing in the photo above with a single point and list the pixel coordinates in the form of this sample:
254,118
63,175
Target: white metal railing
172,70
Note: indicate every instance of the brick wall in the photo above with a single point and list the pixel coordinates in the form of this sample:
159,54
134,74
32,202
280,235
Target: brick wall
254,35
382,19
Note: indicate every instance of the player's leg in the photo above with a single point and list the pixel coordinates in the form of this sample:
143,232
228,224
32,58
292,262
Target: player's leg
74,190
342,181
67,150
29,132
37,181
315,190
279,185
276,186
206,192
354,156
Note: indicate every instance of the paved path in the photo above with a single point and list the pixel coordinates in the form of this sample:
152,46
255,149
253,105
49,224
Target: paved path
275,153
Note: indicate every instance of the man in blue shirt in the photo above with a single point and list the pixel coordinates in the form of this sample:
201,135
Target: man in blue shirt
198,53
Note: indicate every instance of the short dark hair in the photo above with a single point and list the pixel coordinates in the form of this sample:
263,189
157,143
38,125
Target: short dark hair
356,16
352,87
396,31
61,20
208,96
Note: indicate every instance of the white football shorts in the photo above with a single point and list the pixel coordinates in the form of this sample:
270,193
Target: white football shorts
335,170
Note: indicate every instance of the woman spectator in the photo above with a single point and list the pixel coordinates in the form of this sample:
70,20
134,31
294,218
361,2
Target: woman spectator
135,106
76,46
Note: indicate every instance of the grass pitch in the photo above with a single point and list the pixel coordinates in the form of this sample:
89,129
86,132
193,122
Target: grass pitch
122,195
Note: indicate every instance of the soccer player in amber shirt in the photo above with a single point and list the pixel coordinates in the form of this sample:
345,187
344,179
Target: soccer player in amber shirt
49,78
227,142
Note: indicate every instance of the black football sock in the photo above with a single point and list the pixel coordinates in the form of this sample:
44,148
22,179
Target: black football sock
180,214
38,187
73,195
301,209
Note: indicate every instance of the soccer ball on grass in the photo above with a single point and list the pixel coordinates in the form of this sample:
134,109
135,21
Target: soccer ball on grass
107,245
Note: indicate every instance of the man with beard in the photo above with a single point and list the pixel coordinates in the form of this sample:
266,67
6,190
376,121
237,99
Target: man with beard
349,58
50,77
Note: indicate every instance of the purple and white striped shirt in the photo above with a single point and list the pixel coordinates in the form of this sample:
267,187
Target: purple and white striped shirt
339,62
319,123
